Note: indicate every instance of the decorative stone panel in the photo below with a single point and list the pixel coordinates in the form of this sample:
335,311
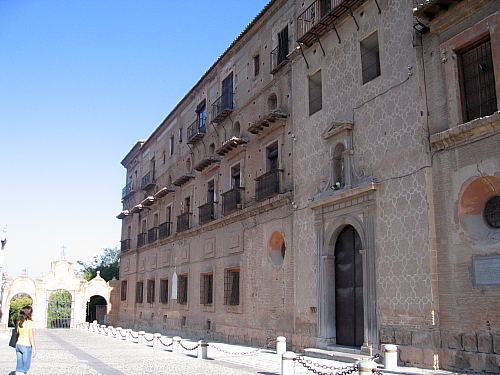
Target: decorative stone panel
403,337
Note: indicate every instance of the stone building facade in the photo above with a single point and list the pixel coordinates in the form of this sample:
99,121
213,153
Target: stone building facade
321,182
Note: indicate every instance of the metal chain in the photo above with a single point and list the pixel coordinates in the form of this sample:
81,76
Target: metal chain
324,367
148,340
134,337
188,349
123,335
269,342
160,340
344,370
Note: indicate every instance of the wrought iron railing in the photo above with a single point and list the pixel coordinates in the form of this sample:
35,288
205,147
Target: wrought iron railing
183,222
165,229
196,130
127,190
222,106
141,239
267,184
207,212
278,56
231,200
125,245
147,180
313,15
152,234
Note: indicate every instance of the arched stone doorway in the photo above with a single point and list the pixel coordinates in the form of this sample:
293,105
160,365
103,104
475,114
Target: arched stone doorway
348,274
17,302
97,309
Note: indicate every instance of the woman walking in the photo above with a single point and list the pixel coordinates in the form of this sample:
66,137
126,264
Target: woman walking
25,347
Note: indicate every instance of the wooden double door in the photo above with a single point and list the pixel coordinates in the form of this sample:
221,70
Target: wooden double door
349,315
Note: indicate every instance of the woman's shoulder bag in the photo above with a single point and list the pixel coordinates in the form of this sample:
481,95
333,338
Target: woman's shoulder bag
14,337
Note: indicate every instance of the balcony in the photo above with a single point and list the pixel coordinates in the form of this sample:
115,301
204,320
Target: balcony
231,200
182,179
164,191
207,212
152,235
141,239
267,121
207,161
222,107
183,222
127,190
268,184
319,17
165,230
196,130
148,181
430,9
278,57
125,245
230,145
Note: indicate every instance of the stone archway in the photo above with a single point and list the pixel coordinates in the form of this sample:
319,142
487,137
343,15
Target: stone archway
61,276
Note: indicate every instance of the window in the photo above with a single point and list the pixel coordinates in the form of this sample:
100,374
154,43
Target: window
172,145
227,92
139,292
168,214
123,290
282,45
315,93
235,176
211,191
272,157
201,115
164,291
370,59
182,289
256,65
206,288
492,212
164,155
272,102
232,287
152,168
180,135
338,179
150,297
187,204
478,81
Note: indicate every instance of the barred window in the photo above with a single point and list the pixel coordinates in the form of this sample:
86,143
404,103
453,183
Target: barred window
206,288
164,291
370,57
478,81
139,292
256,65
232,286
182,289
315,93
150,298
123,290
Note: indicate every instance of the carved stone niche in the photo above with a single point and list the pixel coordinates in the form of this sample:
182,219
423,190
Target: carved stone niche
339,173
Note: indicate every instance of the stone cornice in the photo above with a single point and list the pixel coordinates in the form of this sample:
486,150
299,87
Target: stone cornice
466,133
342,196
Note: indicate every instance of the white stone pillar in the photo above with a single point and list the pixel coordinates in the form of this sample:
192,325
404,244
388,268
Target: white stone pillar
366,367
141,340
128,334
156,340
280,345
202,349
175,345
390,357
287,363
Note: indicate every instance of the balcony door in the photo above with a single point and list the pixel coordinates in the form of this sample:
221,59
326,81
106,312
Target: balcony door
227,92
235,176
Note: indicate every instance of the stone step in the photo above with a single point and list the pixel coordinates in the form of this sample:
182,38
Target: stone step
348,355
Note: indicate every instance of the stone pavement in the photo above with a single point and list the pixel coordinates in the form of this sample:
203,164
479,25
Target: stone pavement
78,352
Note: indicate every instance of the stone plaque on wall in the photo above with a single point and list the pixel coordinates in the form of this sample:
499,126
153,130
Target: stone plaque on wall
486,271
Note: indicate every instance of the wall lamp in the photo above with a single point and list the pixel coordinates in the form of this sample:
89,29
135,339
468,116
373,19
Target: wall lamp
420,27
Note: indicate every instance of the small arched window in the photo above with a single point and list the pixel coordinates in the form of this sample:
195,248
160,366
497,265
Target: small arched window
236,129
276,248
211,148
338,166
272,102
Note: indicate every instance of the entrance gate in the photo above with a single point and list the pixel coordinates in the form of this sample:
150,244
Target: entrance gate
59,310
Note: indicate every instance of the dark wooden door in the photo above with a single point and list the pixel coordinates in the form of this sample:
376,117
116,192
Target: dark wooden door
227,92
349,288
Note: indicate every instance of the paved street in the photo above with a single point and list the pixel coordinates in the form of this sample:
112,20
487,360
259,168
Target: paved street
78,352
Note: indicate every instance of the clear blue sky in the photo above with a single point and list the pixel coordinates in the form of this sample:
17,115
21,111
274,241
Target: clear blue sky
80,82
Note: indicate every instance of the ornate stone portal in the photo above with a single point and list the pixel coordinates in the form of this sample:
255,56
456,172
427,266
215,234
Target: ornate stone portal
61,277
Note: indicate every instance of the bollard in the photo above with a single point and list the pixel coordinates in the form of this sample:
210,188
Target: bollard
128,334
176,346
202,349
390,357
287,363
141,340
280,345
366,367
103,329
156,340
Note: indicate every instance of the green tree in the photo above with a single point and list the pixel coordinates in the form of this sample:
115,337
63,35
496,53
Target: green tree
16,304
108,263
59,309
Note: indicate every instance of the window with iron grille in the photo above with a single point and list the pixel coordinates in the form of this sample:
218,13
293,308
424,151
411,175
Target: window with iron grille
256,65
150,297
164,291
315,93
232,287
370,57
478,81
123,290
206,288
182,289
272,157
139,297
282,45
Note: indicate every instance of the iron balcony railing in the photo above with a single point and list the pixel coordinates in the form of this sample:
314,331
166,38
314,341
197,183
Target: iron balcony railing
141,239
183,222
125,245
196,130
279,57
165,229
207,212
127,190
231,200
152,234
147,180
222,107
268,184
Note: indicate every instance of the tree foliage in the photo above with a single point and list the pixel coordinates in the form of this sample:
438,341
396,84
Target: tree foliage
16,304
59,309
107,262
